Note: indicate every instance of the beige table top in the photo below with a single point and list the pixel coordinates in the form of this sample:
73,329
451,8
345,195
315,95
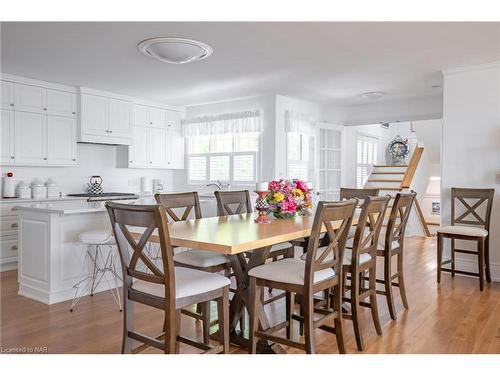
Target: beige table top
236,233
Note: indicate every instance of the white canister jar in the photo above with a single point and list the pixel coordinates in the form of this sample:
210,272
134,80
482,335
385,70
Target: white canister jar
38,191
23,190
52,189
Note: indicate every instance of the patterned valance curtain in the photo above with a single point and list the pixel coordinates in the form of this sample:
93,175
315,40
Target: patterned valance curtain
242,122
299,123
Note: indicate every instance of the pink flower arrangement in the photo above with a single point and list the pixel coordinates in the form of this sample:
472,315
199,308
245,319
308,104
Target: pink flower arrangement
288,197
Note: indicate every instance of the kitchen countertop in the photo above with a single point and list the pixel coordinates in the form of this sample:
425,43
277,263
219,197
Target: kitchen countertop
76,207
82,206
31,200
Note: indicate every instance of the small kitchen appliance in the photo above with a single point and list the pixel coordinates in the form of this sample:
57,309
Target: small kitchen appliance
9,186
158,186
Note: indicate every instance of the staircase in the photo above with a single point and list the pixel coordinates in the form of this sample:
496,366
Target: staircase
391,179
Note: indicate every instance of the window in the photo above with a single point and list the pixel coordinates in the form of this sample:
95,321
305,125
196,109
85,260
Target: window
366,151
224,148
300,146
299,149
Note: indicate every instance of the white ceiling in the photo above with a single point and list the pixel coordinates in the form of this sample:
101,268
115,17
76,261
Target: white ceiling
325,62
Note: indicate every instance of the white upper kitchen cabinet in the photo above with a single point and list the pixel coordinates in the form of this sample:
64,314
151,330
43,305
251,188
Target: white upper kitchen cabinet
140,115
119,118
30,138
61,103
175,149
7,137
139,150
7,95
158,147
174,120
157,117
104,118
29,98
94,115
61,140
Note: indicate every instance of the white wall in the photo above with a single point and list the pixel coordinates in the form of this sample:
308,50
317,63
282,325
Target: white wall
92,160
471,143
391,111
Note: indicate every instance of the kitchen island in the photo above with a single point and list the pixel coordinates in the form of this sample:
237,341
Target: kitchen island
50,258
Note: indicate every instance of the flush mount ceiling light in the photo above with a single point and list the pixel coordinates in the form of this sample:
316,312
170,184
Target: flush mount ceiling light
175,50
373,95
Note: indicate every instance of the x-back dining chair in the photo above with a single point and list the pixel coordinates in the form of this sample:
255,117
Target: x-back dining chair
393,245
362,259
321,271
162,285
201,260
472,223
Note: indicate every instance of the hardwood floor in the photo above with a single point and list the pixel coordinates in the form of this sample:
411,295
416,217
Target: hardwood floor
451,318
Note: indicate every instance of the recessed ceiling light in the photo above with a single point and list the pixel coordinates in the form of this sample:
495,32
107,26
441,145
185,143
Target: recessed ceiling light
175,50
373,95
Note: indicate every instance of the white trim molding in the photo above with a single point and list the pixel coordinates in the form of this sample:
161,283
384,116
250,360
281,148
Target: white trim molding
463,69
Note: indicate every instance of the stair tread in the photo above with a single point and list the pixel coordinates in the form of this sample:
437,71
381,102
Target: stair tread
383,180
390,166
385,188
388,172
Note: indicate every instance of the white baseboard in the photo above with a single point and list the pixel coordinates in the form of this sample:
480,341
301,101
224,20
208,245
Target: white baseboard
470,265
8,266
55,297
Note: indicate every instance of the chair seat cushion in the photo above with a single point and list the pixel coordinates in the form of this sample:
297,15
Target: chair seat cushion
188,282
363,258
281,246
96,237
464,230
347,256
381,244
289,270
200,258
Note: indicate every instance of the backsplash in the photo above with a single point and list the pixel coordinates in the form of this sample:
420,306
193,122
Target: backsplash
93,159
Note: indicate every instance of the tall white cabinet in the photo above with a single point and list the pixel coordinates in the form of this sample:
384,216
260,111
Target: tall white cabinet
157,140
38,124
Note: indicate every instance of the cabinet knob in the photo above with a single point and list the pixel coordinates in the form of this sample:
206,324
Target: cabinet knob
169,125
74,159
150,162
14,225
12,157
44,158
110,132
12,104
74,113
168,162
14,247
151,123
45,109
130,161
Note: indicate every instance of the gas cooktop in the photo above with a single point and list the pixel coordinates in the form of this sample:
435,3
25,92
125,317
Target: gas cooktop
88,195
105,196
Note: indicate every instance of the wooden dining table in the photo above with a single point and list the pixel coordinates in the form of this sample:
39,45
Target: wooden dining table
247,245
